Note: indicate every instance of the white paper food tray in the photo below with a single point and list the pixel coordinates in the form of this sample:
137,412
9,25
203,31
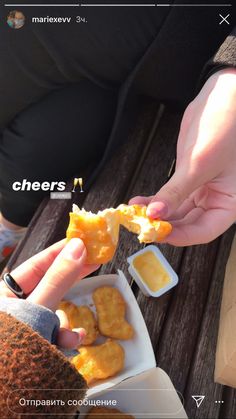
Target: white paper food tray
139,354
149,395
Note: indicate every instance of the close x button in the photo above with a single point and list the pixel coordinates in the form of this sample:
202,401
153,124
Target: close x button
224,19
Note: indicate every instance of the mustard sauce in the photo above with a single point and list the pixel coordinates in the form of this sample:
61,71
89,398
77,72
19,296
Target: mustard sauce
151,271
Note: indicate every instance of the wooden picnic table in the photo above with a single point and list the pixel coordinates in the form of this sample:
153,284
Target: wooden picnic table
183,324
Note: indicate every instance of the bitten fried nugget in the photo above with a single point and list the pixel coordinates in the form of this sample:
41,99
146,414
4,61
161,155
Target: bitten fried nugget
135,219
100,412
111,306
100,232
100,361
81,316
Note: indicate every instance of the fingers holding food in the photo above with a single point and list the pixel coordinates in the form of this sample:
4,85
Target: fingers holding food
100,361
100,232
111,307
81,317
135,219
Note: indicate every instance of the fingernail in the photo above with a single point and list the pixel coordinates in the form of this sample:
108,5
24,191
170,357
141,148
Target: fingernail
81,334
157,210
96,267
74,249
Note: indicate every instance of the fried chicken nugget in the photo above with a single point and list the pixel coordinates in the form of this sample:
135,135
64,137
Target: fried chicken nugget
111,306
100,412
135,219
81,316
100,232
100,361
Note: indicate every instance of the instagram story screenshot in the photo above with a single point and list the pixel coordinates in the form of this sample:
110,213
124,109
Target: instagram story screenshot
118,209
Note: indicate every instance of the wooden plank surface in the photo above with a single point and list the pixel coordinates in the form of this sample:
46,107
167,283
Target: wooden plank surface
201,376
180,333
148,179
228,408
152,176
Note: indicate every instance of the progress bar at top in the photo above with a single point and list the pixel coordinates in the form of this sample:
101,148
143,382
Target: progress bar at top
121,5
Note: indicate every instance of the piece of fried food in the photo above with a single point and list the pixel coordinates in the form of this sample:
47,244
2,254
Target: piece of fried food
100,412
111,306
100,361
81,316
134,218
100,232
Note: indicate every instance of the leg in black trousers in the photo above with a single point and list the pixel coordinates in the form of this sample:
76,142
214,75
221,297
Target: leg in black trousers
53,140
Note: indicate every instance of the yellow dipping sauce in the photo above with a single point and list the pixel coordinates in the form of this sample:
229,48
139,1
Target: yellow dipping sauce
151,271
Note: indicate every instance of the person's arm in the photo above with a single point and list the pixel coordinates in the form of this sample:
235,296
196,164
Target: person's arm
38,310
39,318
35,376
200,198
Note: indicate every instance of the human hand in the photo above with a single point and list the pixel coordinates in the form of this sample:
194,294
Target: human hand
47,276
200,198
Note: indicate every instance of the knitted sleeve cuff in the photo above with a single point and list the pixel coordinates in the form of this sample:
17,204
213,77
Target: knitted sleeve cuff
31,369
39,318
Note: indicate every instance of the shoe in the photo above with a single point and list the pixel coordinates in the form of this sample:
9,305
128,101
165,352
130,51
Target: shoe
9,240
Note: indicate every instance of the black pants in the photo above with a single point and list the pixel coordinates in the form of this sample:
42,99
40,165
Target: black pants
53,140
59,87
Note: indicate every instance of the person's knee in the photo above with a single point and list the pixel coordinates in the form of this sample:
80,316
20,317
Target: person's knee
73,110
62,132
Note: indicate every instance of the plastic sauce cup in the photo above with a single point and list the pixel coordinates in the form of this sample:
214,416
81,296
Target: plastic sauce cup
151,271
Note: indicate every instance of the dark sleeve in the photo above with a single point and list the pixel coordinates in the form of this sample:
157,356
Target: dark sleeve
224,57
